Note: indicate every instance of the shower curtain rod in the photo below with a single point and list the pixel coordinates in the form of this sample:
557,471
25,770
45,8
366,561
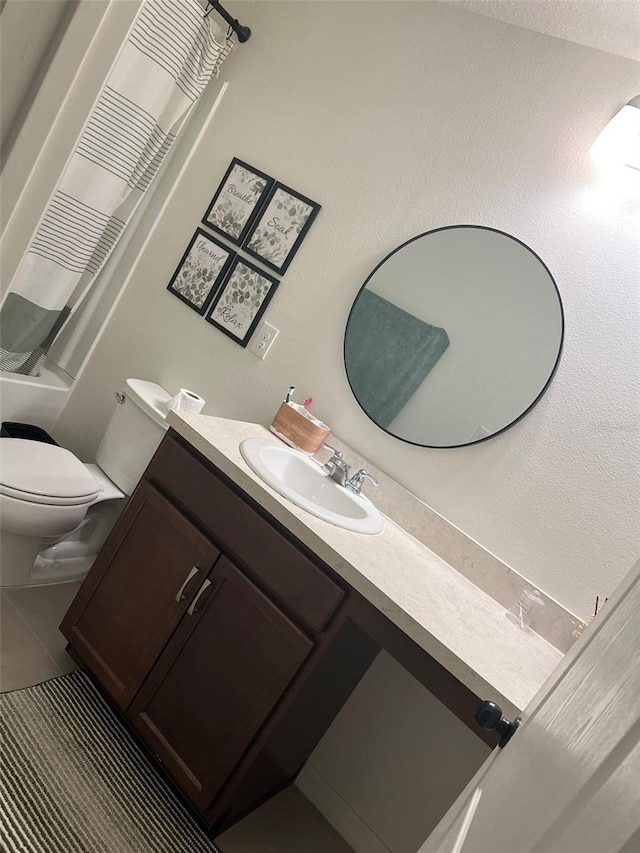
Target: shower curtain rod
243,33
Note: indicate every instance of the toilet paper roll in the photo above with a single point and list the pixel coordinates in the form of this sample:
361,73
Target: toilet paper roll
186,401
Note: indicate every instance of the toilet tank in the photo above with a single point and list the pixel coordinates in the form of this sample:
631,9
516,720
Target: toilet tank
134,432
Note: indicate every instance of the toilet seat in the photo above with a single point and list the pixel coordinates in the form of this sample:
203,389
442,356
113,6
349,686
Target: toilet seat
46,500
39,473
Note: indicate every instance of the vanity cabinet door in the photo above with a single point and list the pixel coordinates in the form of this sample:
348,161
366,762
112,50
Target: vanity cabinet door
216,683
289,575
140,586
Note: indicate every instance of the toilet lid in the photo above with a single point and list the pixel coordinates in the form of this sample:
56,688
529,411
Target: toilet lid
44,473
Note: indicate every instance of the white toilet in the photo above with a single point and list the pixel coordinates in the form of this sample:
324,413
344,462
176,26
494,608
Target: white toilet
55,511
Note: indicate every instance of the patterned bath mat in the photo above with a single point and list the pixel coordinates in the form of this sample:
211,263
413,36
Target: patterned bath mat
74,780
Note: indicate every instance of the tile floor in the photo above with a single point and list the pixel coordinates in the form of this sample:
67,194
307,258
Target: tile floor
33,650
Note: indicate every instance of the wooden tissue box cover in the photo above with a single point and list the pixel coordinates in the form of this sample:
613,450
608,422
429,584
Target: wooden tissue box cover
297,430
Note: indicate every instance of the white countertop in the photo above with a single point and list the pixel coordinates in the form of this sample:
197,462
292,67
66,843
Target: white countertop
442,611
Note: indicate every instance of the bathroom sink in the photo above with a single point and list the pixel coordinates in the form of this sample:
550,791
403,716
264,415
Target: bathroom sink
302,480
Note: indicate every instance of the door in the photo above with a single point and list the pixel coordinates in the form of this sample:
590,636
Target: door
218,680
136,593
569,779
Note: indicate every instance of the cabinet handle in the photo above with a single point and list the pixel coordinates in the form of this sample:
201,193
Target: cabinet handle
192,606
180,596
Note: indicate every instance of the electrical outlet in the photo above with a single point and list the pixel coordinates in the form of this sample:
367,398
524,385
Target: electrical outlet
263,339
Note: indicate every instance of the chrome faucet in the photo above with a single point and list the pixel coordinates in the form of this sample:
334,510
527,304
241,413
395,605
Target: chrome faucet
355,483
336,467
339,471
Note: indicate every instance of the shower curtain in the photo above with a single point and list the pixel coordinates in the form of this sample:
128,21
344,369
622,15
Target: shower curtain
168,58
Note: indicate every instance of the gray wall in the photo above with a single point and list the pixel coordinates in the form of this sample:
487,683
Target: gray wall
29,35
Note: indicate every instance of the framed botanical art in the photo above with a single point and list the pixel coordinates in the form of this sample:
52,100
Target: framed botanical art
237,201
201,271
281,227
242,301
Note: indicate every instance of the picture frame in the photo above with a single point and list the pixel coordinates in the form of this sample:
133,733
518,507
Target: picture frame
237,201
242,300
280,228
201,271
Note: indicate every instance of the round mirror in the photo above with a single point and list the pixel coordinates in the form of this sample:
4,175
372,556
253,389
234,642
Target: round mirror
454,336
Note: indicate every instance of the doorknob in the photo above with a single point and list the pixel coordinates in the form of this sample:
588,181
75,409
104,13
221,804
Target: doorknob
489,717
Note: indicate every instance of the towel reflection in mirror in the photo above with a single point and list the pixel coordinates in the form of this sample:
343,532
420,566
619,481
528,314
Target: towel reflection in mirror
384,378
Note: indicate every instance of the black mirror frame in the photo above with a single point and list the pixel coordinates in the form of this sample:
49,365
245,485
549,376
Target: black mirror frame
535,401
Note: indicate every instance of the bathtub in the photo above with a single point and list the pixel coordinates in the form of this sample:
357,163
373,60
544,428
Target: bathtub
35,399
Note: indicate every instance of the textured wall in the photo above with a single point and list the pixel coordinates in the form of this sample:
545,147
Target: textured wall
29,33
604,24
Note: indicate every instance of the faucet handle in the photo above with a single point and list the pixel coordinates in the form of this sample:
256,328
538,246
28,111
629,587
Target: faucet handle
336,462
337,454
355,483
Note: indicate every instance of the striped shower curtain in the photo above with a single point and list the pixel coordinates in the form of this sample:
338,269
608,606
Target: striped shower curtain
168,58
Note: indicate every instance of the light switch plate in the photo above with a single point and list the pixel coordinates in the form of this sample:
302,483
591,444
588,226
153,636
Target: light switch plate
263,339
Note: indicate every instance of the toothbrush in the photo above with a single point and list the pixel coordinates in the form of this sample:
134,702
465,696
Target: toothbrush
289,393
308,402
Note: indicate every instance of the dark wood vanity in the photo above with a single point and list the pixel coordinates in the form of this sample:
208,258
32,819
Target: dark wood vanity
226,644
